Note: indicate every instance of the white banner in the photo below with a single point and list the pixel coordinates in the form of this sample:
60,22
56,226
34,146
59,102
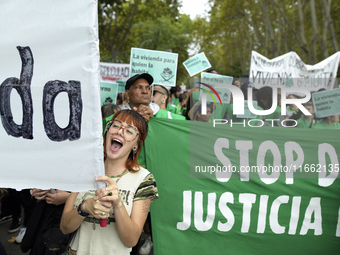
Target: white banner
288,70
112,72
50,131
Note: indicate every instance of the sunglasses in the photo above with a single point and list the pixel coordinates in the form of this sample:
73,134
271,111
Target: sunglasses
155,91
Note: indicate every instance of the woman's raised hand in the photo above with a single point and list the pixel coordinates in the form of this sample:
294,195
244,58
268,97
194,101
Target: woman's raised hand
108,195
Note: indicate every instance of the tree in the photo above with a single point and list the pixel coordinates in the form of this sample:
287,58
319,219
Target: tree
152,24
270,27
115,21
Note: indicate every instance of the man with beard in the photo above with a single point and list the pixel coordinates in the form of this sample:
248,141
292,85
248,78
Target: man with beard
174,93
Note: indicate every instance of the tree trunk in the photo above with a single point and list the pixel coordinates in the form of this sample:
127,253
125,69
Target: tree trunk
282,23
315,29
269,27
324,47
257,33
330,23
127,30
302,28
291,28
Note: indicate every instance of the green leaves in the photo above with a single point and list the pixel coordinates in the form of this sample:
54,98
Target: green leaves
152,24
270,27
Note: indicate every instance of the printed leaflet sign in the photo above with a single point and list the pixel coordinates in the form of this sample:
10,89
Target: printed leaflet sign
160,64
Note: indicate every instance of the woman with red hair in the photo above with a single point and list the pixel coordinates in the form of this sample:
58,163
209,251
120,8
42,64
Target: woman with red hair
125,201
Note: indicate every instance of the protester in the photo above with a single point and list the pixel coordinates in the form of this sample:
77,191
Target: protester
196,115
182,98
138,91
237,82
43,229
173,108
109,109
3,192
174,95
264,98
291,108
277,114
306,121
330,122
11,211
160,97
193,96
212,70
244,89
125,100
125,201
229,114
120,100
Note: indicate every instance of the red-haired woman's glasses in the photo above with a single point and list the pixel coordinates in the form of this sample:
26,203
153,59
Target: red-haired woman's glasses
129,132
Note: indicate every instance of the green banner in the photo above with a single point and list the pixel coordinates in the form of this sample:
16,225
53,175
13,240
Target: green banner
271,210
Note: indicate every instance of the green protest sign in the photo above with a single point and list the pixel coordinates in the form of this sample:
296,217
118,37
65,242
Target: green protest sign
247,113
160,64
108,93
326,103
197,64
267,213
212,80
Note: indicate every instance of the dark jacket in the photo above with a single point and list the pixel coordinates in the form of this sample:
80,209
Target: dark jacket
43,234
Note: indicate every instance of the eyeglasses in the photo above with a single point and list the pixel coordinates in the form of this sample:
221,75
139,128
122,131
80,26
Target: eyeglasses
155,91
129,132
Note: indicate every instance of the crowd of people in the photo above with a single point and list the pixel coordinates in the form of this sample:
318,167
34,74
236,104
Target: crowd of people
174,103
123,205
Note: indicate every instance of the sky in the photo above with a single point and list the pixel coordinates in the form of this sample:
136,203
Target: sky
194,7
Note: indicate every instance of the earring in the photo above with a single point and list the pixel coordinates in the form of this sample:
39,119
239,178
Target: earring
163,101
134,152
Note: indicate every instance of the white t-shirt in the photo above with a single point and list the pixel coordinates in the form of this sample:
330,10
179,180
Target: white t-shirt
95,240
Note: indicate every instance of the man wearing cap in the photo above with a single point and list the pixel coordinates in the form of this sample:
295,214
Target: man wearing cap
138,91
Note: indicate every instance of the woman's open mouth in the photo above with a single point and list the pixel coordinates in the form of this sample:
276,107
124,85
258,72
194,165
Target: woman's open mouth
116,144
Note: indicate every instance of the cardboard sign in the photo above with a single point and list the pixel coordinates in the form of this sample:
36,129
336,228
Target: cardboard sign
113,72
197,64
160,64
108,93
326,103
212,80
